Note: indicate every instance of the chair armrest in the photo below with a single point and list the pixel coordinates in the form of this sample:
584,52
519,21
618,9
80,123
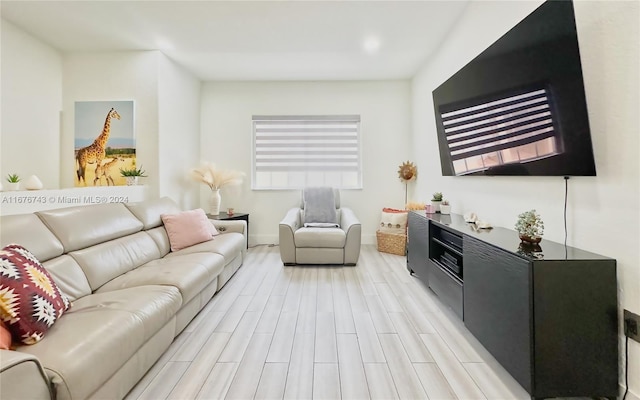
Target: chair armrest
22,377
292,219
289,224
353,229
348,219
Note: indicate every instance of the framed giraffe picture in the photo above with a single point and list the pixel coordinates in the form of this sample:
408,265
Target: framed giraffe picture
104,142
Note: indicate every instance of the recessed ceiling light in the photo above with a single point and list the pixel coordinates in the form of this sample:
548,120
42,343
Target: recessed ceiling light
371,45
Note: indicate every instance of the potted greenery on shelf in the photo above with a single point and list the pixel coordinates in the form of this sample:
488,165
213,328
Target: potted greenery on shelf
436,200
445,207
530,227
13,182
133,174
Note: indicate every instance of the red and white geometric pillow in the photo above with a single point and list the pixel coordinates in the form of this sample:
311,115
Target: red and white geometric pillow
30,301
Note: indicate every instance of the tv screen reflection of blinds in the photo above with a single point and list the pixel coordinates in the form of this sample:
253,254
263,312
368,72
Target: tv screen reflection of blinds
519,107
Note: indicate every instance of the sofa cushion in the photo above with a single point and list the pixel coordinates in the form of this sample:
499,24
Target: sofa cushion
105,261
189,273
30,301
160,237
228,245
320,237
153,305
149,212
102,331
82,226
187,228
69,277
30,232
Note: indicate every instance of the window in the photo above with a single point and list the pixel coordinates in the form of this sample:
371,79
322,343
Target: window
514,129
291,152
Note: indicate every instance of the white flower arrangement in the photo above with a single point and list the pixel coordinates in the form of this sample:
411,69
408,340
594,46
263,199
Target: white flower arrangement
530,224
216,178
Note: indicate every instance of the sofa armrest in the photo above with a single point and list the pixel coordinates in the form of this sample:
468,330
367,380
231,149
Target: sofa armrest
22,377
233,225
289,224
353,229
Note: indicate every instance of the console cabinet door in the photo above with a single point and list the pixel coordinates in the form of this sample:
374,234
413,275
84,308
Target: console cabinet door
497,298
418,249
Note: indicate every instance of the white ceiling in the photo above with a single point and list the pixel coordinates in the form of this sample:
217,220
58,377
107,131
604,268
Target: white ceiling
251,40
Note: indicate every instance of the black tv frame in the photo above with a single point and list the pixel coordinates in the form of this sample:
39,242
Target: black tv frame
542,50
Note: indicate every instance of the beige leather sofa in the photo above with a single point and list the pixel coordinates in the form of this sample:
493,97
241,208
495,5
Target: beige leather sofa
310,245
131,295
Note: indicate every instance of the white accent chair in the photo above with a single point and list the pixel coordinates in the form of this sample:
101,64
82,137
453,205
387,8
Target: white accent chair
320,245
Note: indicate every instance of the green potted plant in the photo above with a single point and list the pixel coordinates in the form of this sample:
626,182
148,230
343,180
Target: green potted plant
436,200
13,182
133,174
530,227
445,207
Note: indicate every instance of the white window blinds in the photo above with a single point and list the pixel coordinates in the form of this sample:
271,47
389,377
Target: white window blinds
298,151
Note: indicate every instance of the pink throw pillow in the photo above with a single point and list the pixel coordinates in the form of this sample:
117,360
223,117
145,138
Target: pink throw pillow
188,228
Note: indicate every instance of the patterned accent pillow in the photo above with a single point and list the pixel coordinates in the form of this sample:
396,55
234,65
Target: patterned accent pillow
30,301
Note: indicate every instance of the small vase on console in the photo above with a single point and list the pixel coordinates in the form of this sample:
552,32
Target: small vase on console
436,200
214,202
215,179
13,185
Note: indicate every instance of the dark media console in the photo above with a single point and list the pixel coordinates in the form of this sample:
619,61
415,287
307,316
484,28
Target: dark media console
548,315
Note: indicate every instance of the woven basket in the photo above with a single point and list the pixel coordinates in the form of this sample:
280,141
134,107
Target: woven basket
392,243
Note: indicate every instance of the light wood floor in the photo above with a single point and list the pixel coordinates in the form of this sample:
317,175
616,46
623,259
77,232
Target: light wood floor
370,331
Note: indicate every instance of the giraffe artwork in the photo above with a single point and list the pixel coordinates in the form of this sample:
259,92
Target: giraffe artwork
103,142
104,170
95,152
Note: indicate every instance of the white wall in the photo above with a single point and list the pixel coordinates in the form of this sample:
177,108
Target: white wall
31,104
40,86
603,211
166,105
114,76
179,132
226,140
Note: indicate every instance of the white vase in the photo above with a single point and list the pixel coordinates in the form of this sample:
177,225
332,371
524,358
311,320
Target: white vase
436,206
13,185
132,180
445,209
214,202
33,183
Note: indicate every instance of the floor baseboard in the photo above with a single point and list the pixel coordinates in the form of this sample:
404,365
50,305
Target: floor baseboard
630,395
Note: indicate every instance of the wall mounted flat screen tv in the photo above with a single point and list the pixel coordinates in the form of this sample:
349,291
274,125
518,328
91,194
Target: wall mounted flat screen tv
519,107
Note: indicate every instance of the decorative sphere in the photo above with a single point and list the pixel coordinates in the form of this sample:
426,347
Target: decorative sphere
33,183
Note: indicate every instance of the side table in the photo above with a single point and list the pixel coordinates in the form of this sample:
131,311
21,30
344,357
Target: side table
224,216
